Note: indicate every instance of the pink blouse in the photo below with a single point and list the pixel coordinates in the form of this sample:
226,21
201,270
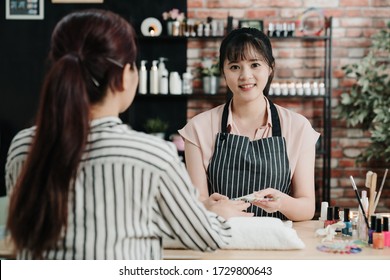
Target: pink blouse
300,136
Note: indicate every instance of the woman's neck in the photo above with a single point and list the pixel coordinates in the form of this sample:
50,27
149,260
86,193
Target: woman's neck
250,111
248,117
108,107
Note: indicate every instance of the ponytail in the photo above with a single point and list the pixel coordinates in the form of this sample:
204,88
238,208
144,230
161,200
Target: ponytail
39,203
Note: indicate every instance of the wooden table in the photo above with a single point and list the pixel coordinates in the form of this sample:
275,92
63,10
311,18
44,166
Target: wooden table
306,231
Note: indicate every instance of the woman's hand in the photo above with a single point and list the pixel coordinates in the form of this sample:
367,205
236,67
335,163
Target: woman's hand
222,206
268,199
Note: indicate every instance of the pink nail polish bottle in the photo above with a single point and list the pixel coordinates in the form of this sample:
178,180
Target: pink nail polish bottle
386,231
329,217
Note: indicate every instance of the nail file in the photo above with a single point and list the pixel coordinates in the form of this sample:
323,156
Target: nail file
252,198
368,185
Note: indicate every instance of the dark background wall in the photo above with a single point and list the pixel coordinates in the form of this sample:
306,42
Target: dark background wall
24,45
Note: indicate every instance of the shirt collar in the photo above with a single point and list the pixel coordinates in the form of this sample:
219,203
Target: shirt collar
269,118
105,122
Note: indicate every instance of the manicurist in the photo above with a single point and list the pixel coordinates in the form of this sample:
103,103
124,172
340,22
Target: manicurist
251,145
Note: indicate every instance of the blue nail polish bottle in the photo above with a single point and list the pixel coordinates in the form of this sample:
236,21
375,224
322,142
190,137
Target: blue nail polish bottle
347,231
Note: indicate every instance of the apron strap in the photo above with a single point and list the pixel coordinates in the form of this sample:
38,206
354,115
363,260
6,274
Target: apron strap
276,130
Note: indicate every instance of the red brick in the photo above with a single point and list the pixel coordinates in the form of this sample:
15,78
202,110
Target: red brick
194,4
353,13
380,3
353,3
260,14
262,3
346,163
380,12
229,4
355,22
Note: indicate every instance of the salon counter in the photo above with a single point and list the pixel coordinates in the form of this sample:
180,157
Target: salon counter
306,231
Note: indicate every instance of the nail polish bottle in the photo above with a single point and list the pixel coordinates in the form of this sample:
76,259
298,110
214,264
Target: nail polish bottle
329,217
347,231
336,217
386,231
324,209
372,229
378,241
336,214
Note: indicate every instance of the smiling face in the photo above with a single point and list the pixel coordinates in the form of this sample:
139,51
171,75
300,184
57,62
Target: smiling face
247,75
247,62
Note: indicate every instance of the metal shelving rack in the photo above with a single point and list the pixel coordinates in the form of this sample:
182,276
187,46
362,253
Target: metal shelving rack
325,150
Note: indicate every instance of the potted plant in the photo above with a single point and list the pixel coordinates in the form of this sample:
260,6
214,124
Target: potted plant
156,126
209,70
367,104
173,18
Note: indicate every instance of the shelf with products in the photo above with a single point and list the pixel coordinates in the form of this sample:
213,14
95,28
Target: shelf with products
323,125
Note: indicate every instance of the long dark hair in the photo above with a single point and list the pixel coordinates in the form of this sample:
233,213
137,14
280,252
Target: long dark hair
236,44
84,46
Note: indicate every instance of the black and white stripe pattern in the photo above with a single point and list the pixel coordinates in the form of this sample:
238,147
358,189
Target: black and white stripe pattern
239,166
132,189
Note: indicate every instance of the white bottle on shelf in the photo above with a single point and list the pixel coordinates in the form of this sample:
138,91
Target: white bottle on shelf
162,76
174,83
143,78
187,82
153,86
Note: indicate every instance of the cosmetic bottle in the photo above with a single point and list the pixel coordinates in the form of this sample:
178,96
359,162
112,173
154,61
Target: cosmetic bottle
347,230
324,210
187,82
162,76
372,228
207,29
329,217
386,232
336,216
143,78
362,226
175,86
154,78
199,30
378,241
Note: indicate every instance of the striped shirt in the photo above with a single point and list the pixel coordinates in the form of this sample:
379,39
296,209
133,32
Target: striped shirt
131,190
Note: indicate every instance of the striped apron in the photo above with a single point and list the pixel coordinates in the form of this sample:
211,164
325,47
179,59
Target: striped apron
239,166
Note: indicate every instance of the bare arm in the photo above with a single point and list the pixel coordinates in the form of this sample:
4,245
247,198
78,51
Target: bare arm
196,169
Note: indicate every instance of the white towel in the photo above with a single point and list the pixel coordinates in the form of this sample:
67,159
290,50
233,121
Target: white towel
257,233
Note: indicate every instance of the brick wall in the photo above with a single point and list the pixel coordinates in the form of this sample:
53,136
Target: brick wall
354,21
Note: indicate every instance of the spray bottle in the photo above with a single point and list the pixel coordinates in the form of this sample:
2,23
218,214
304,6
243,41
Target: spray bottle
163,76
143,78
154,78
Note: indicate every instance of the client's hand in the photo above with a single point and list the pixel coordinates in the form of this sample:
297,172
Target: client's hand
226,208
268,199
